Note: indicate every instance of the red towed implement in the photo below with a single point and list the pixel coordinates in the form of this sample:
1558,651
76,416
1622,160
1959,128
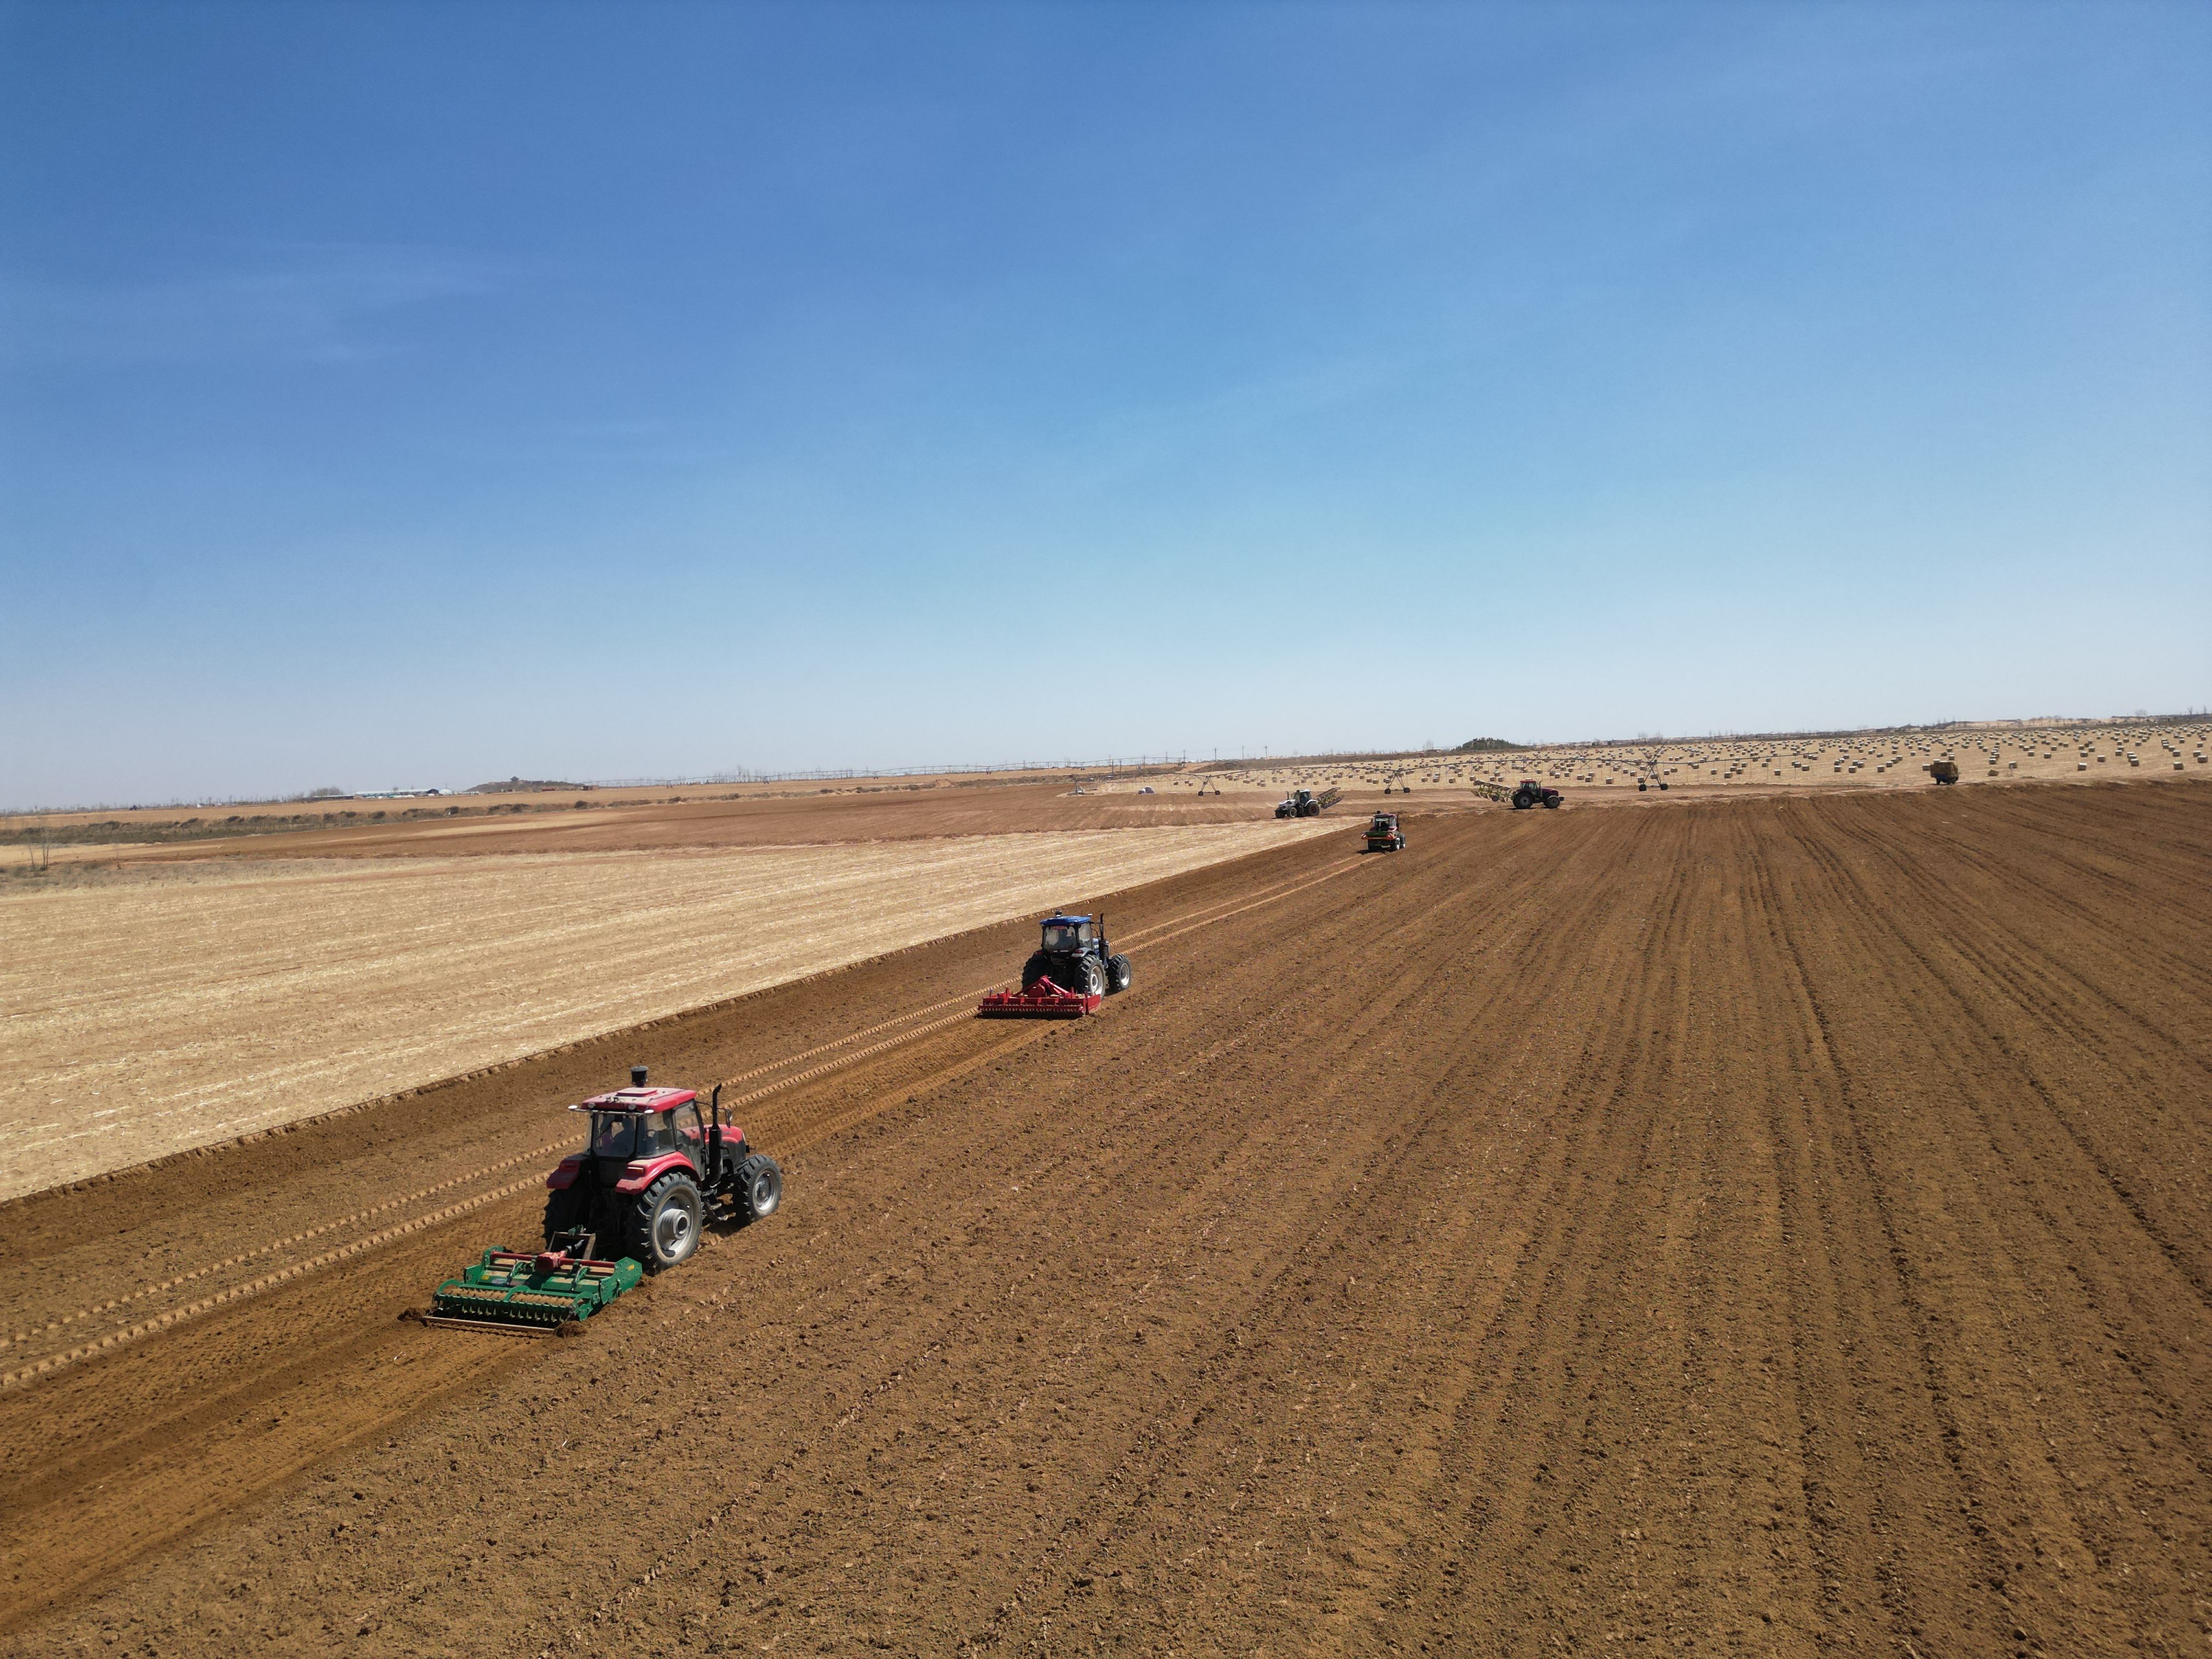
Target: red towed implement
1043,1000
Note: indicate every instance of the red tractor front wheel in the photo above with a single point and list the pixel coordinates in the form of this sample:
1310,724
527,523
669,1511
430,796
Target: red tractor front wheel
760,1188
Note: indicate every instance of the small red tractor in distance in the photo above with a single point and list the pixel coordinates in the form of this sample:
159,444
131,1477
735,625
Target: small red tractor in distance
654,1171
1070,973
1533,794
1384,835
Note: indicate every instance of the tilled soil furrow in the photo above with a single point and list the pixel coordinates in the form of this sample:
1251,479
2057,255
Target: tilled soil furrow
1932,1202
1533,1413
1893,1414
2002,992
1326,1265
2116,975
2091,879
1988,1184
1307,1302
1996,1001
1644,1227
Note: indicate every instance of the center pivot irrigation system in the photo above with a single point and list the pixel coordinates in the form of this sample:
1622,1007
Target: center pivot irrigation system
654,1171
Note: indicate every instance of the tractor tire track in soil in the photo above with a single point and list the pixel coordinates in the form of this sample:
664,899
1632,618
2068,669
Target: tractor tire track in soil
1761,1227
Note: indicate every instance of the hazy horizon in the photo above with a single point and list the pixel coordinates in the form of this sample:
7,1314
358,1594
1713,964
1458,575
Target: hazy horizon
415,789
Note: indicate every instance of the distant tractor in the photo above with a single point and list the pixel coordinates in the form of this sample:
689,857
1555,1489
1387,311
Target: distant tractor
1072,970
1304,804
1944,771
655,1172
1384,835
1533,794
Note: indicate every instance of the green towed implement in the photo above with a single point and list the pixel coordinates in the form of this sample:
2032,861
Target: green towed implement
530,1295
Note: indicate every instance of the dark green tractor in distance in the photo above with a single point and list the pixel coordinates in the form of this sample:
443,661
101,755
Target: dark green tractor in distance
1384,836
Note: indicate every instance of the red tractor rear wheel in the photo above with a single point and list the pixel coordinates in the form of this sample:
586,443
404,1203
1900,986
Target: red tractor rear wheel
664,1222
566,1209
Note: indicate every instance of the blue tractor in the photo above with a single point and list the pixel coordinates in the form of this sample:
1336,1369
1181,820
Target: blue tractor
1068,976
1075,956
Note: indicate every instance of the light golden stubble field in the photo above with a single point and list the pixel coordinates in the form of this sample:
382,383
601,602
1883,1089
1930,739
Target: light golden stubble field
153,1011
2095,752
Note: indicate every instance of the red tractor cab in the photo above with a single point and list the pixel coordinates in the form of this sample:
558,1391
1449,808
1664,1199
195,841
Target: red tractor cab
654,1170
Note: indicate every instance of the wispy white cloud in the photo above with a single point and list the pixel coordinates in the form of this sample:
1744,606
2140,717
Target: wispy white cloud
309,305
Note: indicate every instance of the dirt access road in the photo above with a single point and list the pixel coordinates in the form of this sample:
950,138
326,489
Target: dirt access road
1767,1226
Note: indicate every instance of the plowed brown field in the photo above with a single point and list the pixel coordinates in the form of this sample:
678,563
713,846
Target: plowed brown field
617,822
1767,1226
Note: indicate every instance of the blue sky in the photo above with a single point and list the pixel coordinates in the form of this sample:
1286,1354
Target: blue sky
423,393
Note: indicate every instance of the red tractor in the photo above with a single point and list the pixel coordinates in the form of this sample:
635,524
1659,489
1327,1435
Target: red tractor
655,1171
1533,794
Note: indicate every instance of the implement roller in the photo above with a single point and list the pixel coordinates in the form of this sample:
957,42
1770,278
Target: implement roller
1043,1000
525,1295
